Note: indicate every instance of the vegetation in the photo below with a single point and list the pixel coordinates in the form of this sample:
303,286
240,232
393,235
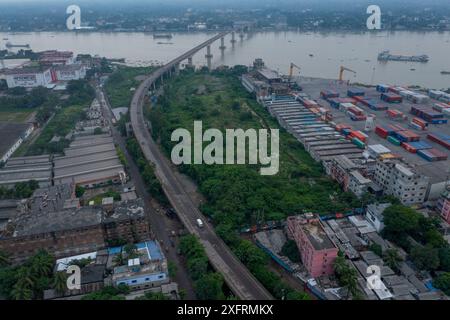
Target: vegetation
147,172
208,285
443,282
237,194
392,259
419,236
347,277
120,83
153,296
108,194
109,293
21,190
290,250
28,280
66,116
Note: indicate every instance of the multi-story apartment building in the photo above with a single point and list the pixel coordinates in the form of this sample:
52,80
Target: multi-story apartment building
444,205
401,181
317,250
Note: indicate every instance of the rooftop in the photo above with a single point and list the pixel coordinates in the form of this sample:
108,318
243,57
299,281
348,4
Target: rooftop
10,133
314,231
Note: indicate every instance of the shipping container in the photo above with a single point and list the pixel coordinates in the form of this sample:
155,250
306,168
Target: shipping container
392,140
358,143
328,94
382,132
391,97
352,92
443,140
382,88
432,155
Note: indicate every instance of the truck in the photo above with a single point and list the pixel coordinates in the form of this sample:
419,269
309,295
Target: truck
199,223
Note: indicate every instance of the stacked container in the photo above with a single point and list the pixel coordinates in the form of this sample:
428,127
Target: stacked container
328,94
353,92
391,97
442,139
429,115
382,132
394,114
435,94
432,154
383,88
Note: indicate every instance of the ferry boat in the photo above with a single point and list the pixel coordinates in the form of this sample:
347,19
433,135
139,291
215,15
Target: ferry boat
386,56
162,36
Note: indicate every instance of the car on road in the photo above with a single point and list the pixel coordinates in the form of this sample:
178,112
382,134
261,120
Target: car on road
200,223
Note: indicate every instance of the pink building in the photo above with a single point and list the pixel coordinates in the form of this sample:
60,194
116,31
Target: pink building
317,250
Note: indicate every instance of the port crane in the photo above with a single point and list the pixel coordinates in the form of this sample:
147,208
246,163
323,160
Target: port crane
341,72
291,70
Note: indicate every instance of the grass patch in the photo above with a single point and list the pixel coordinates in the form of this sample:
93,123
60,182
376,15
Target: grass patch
120,82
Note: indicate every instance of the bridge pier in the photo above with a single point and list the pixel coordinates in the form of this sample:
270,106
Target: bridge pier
208,56
222,44
233,39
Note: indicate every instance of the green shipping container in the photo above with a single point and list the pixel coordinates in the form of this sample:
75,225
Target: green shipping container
359,143
392,140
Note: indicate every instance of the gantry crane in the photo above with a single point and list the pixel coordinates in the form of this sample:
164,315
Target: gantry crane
341,72
291,70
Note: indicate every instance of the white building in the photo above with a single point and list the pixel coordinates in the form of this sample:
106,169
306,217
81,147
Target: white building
374,215
397,179
69,72
28,77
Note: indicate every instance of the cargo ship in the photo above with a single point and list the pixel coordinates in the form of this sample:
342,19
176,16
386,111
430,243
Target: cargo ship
10,45
162,36
445,72
386,56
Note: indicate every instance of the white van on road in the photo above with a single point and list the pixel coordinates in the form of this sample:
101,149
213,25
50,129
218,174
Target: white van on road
200,223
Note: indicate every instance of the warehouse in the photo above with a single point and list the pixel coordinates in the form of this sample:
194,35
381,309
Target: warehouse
90,161
24,169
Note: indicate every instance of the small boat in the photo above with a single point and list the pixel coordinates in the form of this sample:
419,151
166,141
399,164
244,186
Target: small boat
445,72
311,55
412,69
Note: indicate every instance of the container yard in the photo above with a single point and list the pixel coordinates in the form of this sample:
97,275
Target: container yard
411,125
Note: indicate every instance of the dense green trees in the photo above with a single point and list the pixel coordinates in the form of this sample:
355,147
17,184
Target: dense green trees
147,171
208,284
419,236
29,280
347,277
109,293
21,190
290,250
443,282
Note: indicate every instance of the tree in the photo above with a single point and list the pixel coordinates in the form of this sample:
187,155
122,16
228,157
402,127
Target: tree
60,282
209,287
444,258
347,276
41,264
4,259
119,260
290,250
79,191
425,257
376,248
392,259
400,221
443,282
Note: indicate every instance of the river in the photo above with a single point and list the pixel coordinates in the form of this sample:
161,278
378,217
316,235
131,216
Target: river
318,54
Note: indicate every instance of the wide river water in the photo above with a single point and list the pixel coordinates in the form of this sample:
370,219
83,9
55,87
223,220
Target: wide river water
318,54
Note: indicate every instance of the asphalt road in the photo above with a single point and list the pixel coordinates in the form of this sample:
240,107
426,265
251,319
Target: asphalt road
160,225
239,279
